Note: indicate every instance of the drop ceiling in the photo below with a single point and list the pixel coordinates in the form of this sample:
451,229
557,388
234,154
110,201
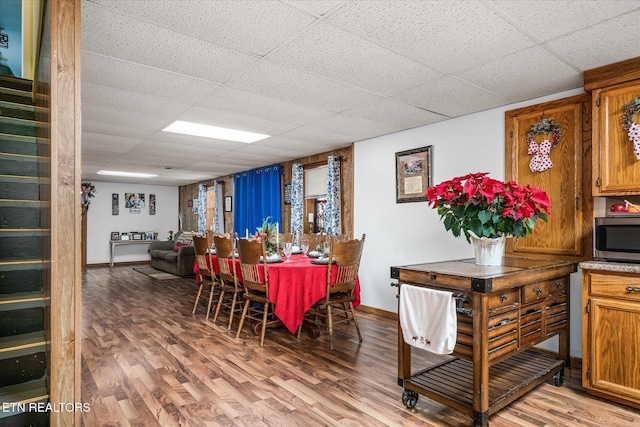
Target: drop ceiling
318,75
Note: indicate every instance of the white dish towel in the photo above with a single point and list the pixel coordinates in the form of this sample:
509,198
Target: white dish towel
428,318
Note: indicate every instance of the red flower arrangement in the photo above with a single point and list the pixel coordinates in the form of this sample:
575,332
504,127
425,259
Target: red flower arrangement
476,204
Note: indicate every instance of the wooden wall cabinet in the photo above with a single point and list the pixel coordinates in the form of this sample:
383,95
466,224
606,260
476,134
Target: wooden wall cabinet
568,233
616,169
611,335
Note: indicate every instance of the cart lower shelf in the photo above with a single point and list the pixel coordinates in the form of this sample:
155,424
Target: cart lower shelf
451,382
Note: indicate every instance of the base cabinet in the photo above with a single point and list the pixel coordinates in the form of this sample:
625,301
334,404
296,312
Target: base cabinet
611,336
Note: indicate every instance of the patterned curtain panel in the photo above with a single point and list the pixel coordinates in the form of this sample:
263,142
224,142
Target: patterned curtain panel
218,212
257,196
333,196
297,194
202,208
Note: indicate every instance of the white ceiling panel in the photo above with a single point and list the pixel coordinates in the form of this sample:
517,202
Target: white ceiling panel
255,27
547,20
111,34
341,56
605,43
505,76
109,71
451,97
262,107
448,36
294,86
319,75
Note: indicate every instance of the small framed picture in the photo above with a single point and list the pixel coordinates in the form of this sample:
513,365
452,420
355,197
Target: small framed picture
137,236
155,236
148,235
124,236
228,204
413,174
115,235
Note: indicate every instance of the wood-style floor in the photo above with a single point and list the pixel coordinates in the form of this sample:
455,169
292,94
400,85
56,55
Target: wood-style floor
147,361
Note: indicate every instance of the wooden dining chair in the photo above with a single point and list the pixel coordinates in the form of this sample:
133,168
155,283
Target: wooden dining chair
286,237
231,291
313,240
257,306
206,276
340,290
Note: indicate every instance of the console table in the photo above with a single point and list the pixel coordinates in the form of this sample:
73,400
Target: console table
114,243
503,312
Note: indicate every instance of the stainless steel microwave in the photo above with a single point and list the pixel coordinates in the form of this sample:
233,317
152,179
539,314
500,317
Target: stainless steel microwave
617,238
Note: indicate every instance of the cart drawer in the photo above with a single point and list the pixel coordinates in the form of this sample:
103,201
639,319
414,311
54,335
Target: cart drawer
539,291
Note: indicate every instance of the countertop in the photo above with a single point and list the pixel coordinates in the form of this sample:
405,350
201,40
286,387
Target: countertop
619,267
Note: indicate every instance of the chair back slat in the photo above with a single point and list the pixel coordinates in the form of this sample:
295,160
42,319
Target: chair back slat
224,250
202,261
346,256
250,252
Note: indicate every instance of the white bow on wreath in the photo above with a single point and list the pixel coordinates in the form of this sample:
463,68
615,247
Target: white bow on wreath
632,128
541,161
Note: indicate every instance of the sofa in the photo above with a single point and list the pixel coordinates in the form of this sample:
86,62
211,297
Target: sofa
174,256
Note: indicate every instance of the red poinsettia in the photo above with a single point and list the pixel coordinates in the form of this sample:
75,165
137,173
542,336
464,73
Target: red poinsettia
486,207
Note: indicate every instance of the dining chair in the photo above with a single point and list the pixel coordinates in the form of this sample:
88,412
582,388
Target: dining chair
313,240
230,289
206,276
257,306
286,237
341,285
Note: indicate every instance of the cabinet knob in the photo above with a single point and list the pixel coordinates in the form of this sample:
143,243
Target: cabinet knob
558,284
503,297
632,289
538,291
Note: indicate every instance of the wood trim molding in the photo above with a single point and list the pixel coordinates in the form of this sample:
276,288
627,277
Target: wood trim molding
611,74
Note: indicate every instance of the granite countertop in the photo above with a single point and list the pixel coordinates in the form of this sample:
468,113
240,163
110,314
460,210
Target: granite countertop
619,267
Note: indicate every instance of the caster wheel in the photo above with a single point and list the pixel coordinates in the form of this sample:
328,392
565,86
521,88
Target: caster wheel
409,398
558,378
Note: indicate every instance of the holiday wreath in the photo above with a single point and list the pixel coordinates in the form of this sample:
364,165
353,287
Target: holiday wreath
632,128
541,160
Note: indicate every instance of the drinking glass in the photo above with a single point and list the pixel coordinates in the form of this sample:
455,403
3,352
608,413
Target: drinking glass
304,246
325,249
288,249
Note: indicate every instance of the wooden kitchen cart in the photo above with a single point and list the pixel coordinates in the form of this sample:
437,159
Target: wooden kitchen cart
503,312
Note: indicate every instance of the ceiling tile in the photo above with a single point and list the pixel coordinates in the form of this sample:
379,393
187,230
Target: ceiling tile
99,126
111,34
395,113
246,26
451,97
606,43
234,121
344,57
132,77
547,20
108,143
355,127
505,76
110,116
448,36
280,82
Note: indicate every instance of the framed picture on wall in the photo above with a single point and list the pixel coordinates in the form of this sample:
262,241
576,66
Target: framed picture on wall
152,204
115,204
413,174
228,206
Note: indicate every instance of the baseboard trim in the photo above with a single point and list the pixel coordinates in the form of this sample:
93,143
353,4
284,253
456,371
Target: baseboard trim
378,312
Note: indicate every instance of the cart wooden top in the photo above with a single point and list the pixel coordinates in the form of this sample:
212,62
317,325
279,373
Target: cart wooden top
466,275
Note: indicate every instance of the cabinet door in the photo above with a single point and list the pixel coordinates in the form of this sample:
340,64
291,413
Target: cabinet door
617,171
568,233
614,347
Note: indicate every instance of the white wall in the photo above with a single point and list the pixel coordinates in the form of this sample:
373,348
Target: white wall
411,233
100,222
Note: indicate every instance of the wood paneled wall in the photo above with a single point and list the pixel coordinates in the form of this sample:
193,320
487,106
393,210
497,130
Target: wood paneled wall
188,192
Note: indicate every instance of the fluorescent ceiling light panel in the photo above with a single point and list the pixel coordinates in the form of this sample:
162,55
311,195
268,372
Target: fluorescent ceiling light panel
215,132
129,174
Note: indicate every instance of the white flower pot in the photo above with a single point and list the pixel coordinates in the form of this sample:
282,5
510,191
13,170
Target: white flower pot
488,251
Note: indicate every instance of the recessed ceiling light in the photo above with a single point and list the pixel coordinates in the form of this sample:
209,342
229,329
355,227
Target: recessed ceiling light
129,174
216,132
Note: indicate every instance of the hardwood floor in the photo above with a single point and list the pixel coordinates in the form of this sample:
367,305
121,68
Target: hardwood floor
147,361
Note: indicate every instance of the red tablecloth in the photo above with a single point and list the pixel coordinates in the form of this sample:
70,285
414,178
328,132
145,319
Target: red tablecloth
294,286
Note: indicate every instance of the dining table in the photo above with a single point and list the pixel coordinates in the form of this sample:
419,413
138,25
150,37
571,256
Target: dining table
295,285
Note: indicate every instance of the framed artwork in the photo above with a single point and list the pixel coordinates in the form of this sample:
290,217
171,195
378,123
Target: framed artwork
134,200
115,235
137,236
115,204
124,236
152,204
190,203
148,235
228,206
413,174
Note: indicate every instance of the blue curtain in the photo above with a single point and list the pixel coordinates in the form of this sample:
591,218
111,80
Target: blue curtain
202,208
333,196
297,195
257,196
